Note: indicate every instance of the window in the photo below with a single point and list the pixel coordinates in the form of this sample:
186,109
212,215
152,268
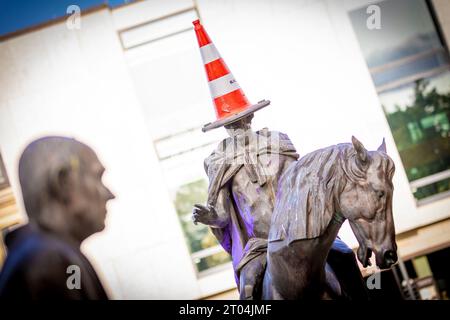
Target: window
410,69
4,183
182,158
173,91
8,210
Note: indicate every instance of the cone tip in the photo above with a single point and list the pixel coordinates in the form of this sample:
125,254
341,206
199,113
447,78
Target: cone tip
196,22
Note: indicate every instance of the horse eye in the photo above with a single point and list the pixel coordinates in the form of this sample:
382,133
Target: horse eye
380,194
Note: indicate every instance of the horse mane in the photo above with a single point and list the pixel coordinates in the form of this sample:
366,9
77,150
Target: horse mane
308,190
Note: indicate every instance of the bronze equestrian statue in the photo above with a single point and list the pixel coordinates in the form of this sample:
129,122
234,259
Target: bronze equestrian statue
244,173
241,199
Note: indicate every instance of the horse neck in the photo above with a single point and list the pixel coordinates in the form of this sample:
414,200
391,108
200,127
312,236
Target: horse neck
320,246
331,231
325,240
308,256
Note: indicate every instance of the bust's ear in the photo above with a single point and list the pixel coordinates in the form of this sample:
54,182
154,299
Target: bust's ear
60,183
361,152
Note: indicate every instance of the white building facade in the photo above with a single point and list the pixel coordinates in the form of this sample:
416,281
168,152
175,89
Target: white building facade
130,83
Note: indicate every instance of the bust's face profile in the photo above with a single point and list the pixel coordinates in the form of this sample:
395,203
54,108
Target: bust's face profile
88,195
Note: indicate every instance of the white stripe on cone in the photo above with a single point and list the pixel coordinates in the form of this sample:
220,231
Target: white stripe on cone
223,85
209,53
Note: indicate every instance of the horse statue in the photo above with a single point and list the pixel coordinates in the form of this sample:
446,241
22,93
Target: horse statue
315,196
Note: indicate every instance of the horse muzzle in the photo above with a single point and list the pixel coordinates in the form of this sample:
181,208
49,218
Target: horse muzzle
387,259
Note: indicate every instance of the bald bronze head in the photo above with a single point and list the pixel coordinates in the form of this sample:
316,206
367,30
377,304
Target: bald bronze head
62,188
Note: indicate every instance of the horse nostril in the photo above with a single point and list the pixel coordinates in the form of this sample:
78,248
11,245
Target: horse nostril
390,257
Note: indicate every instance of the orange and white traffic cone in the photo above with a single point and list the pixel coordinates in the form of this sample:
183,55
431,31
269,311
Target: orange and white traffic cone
230,102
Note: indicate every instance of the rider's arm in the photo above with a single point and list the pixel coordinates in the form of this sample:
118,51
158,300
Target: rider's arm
223,206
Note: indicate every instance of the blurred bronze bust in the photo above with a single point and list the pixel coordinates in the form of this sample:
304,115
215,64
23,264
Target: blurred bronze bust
65,200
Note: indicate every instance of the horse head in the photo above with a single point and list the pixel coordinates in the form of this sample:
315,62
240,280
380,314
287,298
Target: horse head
366,201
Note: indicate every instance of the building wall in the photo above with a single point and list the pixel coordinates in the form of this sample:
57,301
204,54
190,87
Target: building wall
442,8
302,55
75,83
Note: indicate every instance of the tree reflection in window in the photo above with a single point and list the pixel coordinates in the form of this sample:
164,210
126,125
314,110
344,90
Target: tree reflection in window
424,142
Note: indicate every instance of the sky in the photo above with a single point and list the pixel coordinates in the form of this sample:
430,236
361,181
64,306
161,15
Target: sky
20,14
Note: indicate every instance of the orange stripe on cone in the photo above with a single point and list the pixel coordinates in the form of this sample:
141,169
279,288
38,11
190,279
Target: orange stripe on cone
216,69
230,103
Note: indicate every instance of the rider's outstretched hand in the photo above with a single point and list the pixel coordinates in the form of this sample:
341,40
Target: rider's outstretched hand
204,214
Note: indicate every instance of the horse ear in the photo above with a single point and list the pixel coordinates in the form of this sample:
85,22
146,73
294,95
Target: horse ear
361,152
382,147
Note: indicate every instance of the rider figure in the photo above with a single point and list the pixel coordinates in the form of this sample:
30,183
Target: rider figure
243,173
